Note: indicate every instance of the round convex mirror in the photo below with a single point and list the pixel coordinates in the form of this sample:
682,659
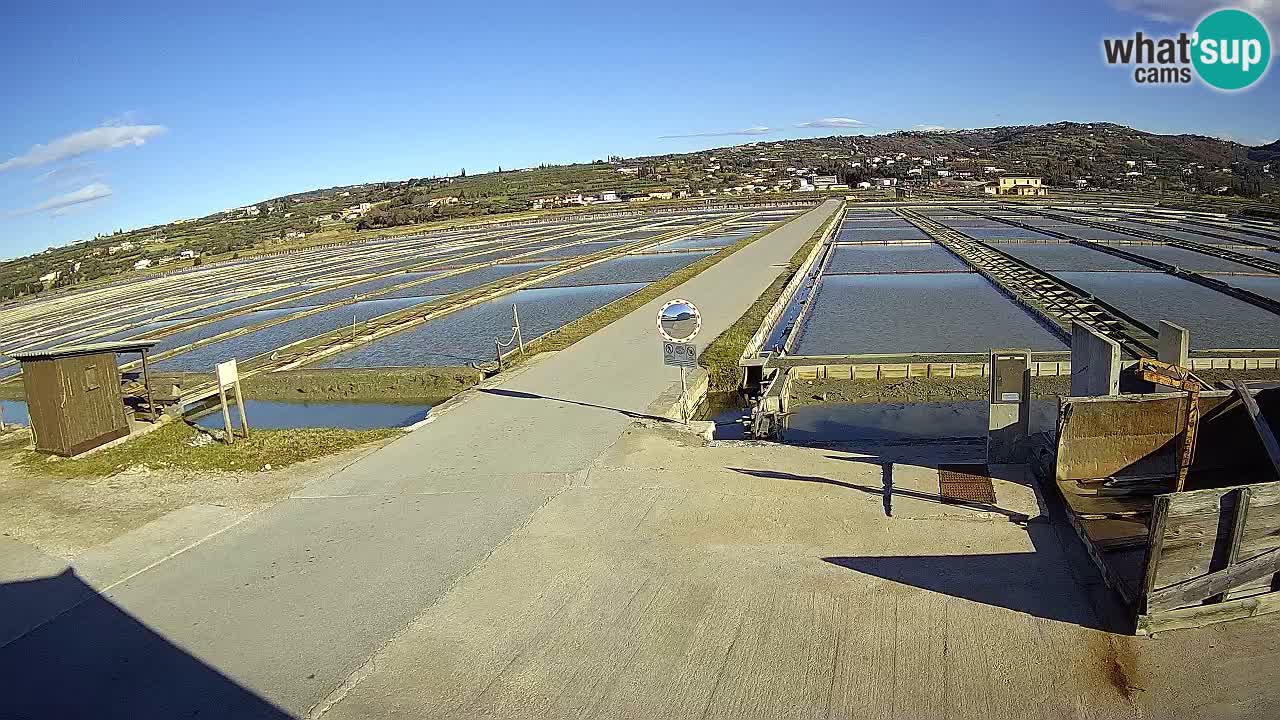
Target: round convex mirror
679,321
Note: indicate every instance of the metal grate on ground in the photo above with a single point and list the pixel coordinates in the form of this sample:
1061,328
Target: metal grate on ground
966,483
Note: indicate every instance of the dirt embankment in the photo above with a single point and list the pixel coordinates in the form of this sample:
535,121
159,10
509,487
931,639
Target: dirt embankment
814,392
383,384
422,384
938,389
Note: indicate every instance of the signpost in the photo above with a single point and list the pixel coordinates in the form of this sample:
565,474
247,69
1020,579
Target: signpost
679,354
678,323
229,378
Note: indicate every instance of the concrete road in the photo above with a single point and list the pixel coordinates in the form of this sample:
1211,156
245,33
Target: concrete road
281,613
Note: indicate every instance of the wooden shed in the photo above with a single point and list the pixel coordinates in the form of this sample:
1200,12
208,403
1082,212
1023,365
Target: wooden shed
75,397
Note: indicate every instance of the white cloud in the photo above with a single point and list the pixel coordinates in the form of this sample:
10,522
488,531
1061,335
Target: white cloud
1170,11
930,128
833,122
66,174
760,130
105,137
59,204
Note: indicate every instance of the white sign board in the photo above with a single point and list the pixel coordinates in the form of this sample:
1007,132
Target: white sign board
228,373
679,354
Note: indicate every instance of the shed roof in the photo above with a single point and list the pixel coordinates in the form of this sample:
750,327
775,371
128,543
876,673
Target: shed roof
90,349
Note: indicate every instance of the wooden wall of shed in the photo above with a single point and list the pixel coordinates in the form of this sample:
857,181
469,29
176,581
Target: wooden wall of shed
70,417
44,404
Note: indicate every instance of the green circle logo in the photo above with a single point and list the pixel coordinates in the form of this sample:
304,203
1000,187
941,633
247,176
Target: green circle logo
1232,49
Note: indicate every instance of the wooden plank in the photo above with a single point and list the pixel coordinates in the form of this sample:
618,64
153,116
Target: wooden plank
1155,548
1199,588
1201,615
1198,532
1237,531
1260,424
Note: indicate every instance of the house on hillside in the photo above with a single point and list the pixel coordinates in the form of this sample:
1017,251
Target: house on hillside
142,264
1016,185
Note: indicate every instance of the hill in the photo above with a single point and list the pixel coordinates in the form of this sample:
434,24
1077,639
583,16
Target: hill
1066,154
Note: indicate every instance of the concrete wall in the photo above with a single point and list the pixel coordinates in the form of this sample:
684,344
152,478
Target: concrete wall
1174,344
1095,363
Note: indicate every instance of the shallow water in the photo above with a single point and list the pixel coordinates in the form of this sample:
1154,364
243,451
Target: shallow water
892,258
579,250
942,312
1261,285
1064,256
363,288
627,269
1004,232
1216,321
186,337
15,411
266,339
468,335
1187,259
902,232
466,280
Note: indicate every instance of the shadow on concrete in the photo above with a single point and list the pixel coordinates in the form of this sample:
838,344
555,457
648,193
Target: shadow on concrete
1016,581
886,491
97,661
532,396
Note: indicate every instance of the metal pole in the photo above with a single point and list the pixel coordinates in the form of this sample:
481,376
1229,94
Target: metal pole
497,350
2,428
353,326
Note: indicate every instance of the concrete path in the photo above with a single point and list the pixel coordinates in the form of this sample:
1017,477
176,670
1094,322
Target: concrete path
756,580
280,613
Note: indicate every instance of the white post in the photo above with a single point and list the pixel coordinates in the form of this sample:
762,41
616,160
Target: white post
515,315
226,416
684,400
244,422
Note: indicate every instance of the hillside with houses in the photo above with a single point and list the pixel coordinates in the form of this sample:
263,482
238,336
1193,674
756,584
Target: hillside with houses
1069,156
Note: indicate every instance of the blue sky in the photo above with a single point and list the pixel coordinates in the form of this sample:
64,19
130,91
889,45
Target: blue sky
145,113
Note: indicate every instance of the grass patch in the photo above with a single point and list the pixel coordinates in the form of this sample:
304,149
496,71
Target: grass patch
170,448
593,321
720,358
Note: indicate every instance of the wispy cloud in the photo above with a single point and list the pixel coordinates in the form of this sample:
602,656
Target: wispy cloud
1169,11
59,204
761,130
66,174
104,137
833,122
930,128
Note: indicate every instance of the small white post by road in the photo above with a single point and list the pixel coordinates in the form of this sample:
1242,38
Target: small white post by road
515,325
678,322
229,378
